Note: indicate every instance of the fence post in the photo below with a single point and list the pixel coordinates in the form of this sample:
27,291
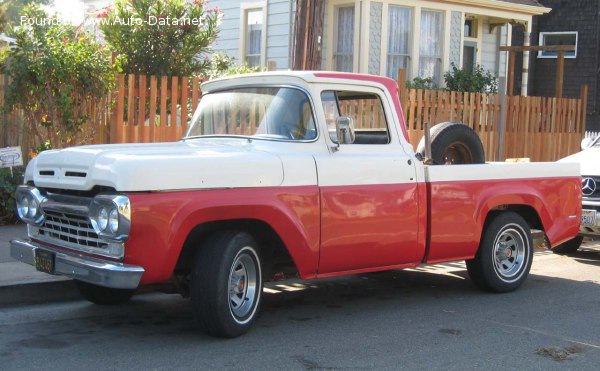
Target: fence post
583,95
402,87
501,117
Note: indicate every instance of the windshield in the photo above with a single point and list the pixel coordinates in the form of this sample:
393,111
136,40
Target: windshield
265,112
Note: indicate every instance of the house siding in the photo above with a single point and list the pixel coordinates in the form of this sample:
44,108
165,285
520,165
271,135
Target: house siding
375,39
489,48
572,15
456,27
278,30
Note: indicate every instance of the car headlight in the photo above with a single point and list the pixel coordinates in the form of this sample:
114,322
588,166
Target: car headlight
29,199
110,216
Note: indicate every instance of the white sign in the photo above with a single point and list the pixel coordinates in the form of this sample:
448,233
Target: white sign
11,156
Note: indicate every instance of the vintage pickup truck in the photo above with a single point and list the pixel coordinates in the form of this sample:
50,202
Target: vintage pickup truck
307,170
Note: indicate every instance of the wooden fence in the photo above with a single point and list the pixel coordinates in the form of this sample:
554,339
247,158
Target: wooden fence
479,111
151,109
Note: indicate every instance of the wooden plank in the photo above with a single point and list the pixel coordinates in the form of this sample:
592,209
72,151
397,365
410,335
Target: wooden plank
142,109
163,109
511,73
547,48
152,116
560,73
172,130
184,107
116,129
130,109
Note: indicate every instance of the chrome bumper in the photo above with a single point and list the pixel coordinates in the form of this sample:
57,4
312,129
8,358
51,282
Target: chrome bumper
83,268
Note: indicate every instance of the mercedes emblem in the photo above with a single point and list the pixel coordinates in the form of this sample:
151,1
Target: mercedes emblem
588,186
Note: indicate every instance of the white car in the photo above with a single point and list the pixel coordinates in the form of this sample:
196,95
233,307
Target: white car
589,160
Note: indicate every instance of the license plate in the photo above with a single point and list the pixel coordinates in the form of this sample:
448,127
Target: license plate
588,218
44,261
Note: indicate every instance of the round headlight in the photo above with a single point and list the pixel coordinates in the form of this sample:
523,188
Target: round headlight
113,221
33,208
102,218
23,206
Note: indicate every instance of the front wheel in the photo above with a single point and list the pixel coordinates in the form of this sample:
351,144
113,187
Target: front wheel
505,253
226,284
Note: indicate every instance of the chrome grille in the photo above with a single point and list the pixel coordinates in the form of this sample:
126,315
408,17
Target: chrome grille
69,228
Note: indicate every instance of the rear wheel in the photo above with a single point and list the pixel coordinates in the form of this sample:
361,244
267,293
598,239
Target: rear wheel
503,260
569,247
103,295
226,284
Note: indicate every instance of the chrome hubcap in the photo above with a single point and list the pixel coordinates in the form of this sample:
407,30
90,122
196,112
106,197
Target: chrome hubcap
509,253
243,280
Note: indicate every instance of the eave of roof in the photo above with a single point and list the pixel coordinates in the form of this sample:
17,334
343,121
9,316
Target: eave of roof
530,7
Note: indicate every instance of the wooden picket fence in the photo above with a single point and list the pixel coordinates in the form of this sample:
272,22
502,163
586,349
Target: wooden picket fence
158,109
479,111
544,129
151,109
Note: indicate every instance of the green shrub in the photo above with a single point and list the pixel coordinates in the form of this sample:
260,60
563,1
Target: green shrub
476,81
421,83
56,70
224,65
8,183
162,40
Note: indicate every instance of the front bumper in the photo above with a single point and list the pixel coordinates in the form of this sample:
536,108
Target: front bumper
83,268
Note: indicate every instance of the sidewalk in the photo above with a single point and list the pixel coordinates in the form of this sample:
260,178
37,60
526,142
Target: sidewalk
20,283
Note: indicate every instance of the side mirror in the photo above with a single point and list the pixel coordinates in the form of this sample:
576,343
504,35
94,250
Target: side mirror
586,142
344,128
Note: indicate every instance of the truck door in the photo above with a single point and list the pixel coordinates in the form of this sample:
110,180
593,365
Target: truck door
368,189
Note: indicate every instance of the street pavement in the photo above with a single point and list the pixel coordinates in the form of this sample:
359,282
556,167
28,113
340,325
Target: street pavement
430,317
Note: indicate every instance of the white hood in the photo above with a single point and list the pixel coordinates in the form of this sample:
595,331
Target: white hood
195,164
589,159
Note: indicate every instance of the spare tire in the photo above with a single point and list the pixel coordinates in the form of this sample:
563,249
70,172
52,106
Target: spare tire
453,143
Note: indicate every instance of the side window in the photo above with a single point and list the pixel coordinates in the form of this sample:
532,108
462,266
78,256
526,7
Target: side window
366,112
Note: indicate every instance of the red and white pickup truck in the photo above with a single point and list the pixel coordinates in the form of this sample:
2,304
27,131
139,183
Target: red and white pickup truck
309,169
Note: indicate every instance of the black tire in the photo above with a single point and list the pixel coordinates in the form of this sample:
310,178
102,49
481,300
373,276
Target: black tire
568,247
453,143
494,267
221,307
103,295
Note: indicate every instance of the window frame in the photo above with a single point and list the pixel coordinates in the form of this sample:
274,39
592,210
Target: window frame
376,95
411,39
245,8
442,37
554,55
334,52
302,89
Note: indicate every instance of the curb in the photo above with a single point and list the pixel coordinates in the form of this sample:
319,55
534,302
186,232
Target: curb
38,293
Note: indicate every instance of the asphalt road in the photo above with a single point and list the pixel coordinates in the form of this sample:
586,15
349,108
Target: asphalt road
426,318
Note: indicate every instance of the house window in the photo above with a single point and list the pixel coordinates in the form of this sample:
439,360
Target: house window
399,36
430,49
558,38
343,55
253,37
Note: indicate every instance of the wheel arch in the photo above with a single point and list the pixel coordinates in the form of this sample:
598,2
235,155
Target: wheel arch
272,247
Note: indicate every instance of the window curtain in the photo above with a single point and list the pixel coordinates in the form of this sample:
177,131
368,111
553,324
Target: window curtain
344,51
430,50
253,37
398,52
